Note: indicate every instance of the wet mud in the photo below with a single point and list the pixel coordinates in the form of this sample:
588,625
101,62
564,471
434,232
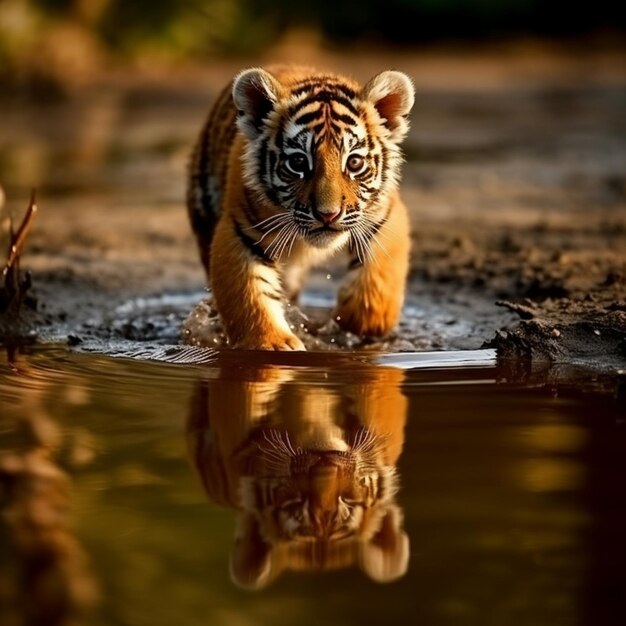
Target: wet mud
515,178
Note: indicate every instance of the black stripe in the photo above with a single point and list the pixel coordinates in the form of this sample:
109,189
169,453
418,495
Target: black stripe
350,132
273,294
323,96
377,163
278,297
305,118
203,225
376,227
264,280
271,188
317,129
380,488
280,132
374,197
297,141
354,263
383,169
272,195
346,103
202,173
302,208
320,140
342,117
314,83
272,164
255,249
349,93
262,159
307,85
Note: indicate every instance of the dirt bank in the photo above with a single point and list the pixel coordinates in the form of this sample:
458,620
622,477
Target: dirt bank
515,176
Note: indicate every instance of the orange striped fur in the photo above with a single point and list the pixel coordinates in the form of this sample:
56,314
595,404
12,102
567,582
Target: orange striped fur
291,166
310,468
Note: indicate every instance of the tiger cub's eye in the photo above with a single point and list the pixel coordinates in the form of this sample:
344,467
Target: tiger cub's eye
355,164
297,163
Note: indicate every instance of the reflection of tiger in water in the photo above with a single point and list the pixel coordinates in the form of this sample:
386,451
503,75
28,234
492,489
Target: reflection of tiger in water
292,165
314,480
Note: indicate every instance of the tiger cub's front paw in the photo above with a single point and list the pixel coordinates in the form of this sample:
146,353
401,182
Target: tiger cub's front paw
367,317
271,341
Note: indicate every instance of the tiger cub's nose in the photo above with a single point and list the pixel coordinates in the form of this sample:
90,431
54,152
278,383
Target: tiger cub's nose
327,217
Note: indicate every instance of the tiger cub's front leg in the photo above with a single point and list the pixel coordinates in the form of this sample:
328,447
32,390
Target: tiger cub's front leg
370,301
248,294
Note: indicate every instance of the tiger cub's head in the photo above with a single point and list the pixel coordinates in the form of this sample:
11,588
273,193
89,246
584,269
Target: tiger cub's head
318,509
322,151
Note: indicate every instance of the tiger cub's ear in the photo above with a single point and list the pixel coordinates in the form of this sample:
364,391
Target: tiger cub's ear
385,557
393,95
255,92
250,560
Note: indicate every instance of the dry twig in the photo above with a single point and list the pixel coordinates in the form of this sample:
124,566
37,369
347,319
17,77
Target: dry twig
14,286
18,239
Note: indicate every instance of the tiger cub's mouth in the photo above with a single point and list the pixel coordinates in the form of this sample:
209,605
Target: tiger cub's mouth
325,235
317,460
327,228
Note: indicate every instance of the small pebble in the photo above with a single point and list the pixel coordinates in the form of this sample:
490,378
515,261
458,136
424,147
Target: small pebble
556,332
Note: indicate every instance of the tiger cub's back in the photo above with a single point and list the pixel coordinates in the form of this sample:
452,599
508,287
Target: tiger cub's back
208,170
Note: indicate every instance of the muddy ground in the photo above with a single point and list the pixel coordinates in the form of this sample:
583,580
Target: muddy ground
515,178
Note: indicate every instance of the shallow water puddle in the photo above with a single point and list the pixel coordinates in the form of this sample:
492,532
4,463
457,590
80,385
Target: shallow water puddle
342,487
426,324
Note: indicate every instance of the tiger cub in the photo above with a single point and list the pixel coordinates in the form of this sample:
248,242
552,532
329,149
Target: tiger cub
291,166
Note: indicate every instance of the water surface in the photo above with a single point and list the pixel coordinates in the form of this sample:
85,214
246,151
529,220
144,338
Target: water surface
123,493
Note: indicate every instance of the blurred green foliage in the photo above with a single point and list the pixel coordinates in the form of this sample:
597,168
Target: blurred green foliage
38,35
